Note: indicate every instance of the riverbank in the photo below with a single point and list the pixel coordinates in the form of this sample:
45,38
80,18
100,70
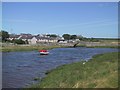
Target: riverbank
98,46
101,44
27,48
99,72
7,47
30,48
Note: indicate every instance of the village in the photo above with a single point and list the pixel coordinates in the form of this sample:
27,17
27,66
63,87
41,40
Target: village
30,39
41,39
54,39
36,39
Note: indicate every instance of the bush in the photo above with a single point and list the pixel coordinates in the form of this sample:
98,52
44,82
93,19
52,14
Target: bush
4,35
19,41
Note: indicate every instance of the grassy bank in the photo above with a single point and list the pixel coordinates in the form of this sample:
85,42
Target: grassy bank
98,46
99,72
103,46
27,48
30,48
6,47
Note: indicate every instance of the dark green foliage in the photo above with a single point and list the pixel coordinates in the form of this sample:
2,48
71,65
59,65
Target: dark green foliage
89,39
66,36
52,35
73,37
19,41
36,78
4,35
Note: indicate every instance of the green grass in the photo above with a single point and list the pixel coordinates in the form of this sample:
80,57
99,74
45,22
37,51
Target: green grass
26,48
103,46
112,40
99,72
106,46
98,46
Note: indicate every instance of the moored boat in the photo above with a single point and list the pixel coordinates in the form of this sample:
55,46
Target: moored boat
43,52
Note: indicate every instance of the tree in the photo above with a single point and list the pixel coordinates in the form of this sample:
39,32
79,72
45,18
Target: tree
0,34
53,35
4,35
66,36
73,37
19,41
48,35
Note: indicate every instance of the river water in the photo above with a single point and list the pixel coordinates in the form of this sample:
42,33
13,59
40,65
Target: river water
20,68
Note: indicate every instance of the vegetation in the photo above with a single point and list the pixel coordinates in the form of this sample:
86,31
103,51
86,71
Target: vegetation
99,72
66,36
73,37
52,35
89,39
19,41
102,46
4,35
27,48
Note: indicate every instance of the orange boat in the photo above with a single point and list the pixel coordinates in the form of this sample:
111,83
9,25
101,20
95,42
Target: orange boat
43,52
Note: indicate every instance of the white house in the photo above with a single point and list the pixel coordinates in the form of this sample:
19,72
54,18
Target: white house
32,40
13,36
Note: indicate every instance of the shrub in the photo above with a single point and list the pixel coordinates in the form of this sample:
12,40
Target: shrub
19,41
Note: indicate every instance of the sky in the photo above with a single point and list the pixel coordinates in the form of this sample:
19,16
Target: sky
89,19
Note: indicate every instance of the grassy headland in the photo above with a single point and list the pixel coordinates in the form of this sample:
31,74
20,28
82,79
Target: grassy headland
99,72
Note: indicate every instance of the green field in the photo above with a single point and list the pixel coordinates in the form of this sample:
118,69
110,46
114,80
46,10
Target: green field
99,72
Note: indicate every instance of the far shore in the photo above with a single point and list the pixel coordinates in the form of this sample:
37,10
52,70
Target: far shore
28,48
6,47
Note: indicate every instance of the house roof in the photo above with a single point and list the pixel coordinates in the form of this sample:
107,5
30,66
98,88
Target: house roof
13,36
26,37
38,37
48,38
25,34
29,36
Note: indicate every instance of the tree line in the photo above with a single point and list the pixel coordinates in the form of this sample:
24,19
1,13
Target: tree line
80,37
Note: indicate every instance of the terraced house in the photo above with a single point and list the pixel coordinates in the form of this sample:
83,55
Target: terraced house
34,39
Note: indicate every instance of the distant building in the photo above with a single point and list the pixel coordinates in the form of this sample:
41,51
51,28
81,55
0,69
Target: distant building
13,36
62,41
34,39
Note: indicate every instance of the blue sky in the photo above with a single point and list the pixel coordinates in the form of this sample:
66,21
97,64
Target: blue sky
90,19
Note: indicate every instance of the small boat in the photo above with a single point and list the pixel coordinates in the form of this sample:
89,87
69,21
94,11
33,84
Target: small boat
43,52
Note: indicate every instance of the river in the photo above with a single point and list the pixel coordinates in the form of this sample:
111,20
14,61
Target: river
20,68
